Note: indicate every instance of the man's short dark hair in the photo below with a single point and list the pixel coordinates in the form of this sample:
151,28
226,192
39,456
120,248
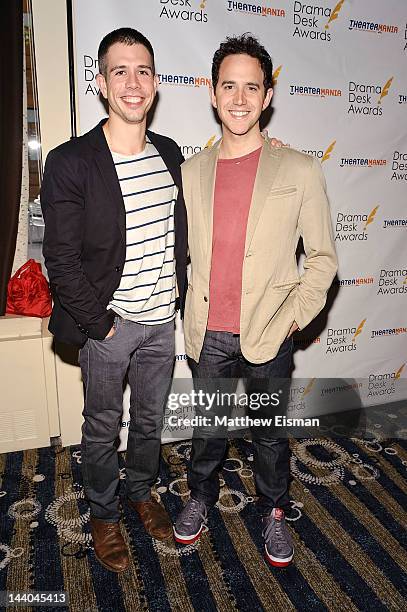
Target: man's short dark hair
239,45
127,36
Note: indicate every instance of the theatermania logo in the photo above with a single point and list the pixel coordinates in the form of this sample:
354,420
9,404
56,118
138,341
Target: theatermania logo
361,162
254,8
314,21
384,383
394,223
388,331
367,98
392,281
315,92
341,340
355,281
353,227
184,10
184,80
372,26
322,154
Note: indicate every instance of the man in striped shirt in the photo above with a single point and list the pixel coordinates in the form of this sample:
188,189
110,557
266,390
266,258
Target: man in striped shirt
111,200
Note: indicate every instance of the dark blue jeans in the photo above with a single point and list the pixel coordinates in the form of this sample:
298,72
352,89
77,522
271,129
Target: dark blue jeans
221,358
146,353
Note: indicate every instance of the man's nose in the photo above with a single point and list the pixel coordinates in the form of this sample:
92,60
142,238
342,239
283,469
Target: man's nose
239,97
133,80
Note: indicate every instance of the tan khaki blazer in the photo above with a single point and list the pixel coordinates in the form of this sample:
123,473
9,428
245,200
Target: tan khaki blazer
289,200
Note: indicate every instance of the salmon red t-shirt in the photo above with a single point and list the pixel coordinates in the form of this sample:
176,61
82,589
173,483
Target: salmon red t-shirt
233,194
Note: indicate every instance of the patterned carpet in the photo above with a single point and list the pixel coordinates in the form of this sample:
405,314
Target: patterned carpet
347,521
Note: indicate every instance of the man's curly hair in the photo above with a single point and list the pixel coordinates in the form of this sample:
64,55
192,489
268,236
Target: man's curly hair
248,45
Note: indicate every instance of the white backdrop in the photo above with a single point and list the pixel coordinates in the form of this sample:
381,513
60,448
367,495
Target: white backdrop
341,95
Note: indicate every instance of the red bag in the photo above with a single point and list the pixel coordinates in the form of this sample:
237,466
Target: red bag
28,292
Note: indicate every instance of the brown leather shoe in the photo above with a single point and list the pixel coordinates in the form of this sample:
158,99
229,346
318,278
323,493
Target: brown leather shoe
109,545
155,519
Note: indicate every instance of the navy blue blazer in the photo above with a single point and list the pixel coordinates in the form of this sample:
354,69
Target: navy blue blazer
85,233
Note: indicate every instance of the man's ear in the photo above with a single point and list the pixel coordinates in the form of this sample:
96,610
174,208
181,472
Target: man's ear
267,99
101,82
156,83
212,96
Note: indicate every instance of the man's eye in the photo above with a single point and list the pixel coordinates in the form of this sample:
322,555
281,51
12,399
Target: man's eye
144,72
119,72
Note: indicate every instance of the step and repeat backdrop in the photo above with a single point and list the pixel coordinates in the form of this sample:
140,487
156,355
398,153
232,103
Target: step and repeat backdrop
340,82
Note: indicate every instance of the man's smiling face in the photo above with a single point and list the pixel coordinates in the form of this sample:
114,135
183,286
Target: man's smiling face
129,84
239,97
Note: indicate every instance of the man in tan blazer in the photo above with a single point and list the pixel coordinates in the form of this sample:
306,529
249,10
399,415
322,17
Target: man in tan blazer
248,203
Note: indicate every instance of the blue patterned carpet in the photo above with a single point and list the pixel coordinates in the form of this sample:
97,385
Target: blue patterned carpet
347,520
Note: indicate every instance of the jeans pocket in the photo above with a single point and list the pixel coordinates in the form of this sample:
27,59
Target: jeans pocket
116,326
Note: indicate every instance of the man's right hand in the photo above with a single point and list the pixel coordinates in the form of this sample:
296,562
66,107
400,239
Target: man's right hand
111,333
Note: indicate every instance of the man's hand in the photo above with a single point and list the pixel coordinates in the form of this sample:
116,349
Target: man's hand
274,141
293,329
277,143
111,333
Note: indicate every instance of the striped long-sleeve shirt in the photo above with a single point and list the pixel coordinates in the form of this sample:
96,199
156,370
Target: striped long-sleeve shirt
146,293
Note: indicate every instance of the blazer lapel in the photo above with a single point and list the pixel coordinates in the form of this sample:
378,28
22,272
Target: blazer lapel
104,161
169,159
207,183
269,164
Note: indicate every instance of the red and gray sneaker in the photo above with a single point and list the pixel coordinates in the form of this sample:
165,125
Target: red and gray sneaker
277,540
190,522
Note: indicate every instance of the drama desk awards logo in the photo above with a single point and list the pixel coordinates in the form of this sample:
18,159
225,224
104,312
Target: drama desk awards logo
384,383
321,154
341,340
399,166
353,227
90,70
314,22
184,10
392,281
188,150
367,98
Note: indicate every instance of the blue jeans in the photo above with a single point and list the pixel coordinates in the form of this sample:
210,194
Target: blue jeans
221,358
146,353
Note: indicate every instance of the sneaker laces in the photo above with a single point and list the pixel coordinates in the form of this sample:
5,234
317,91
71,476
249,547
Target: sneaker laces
193,510
277,527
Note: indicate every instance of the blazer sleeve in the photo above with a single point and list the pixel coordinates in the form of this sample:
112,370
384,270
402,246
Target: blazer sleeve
320,265
63,206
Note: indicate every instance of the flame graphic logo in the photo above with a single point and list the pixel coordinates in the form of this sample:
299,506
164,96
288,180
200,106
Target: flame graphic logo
276,74
399,371
371,217
308,387
202,5
335,13
385,90
328,152
359,329
210,142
